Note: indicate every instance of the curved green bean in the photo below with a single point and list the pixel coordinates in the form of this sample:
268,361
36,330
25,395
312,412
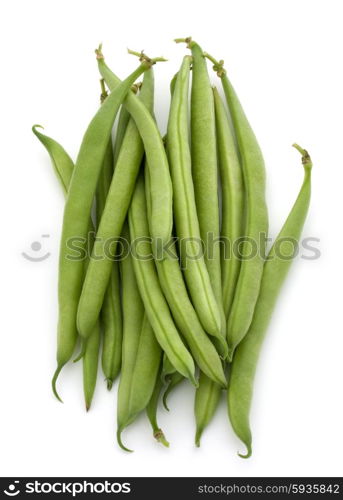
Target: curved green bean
63,166
232,201
256,218
151,411
111,314
184,315
187,224
275,271
175,379
162,213
117,205
155,304
133,313
207,397
205,169
76,216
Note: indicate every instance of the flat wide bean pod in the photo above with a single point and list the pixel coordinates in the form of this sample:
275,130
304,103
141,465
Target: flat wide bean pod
155,304
187,224
256,218
275,271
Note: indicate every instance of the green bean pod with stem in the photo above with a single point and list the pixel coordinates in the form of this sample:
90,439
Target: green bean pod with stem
156,306
174,380
232,201
63,167
245,359
256,217
185,317
207,397
187,224
120,193
76,218
205,168
111,315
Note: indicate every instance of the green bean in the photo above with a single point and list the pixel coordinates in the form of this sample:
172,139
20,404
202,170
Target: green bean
274,274
146,369
232,201
76,215
151,411
133,313
205,169
207,397
123,121
187,224
167,368
111,315
162,214
174,380
256,217
155,304
184,315
117,204
63,166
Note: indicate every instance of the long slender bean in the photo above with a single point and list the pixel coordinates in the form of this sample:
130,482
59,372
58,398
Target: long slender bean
162,214
76,215
111,314
155,304
207,397
117,204
232,201
133,313
187,224
151,411
184,315
63,167
256,217
275,271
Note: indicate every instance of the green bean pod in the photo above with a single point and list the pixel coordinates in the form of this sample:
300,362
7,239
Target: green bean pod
155,304
205,169
63,167
256,217
117,205
148,361
76,216
151,411
187,224
111,314
275,271
184,315
133,313
162,212
207,397
232,201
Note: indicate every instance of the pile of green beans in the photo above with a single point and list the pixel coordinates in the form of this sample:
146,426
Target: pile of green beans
156,270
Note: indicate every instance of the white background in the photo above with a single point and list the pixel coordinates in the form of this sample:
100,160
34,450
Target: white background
285,59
